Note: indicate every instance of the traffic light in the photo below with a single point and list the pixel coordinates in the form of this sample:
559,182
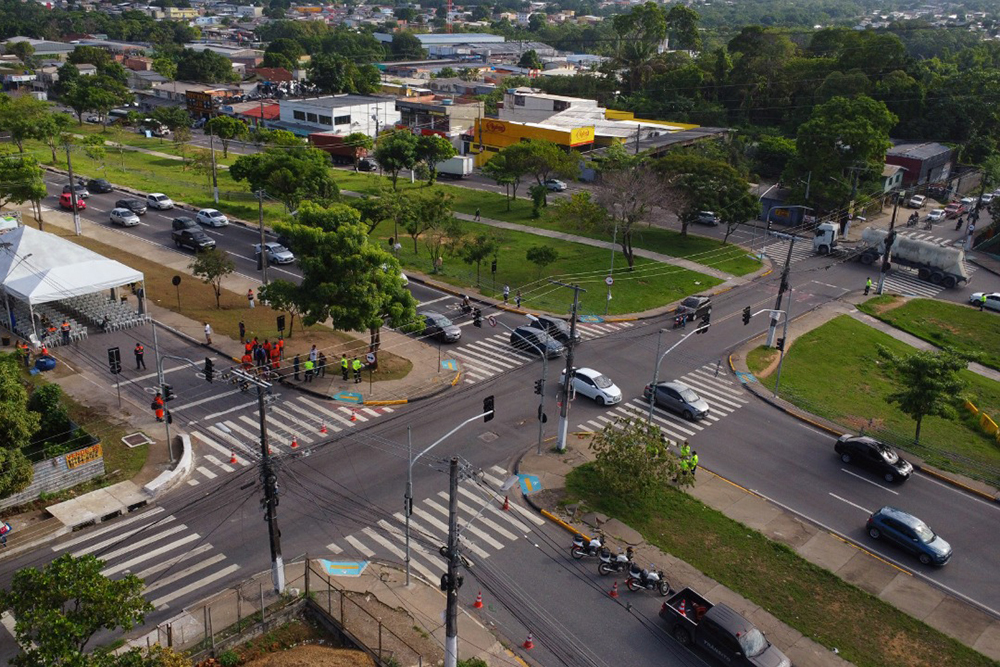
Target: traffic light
746,316
780,344
281,323
705,319
477,318
488,409
493,267
114,360
168,392
539,386
209,370
169,417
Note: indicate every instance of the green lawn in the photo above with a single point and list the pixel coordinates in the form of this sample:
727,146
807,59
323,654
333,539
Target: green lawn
650,285
835,372
814,601
942,324
130,137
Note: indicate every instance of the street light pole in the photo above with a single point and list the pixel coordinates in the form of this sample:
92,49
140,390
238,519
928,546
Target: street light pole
567,377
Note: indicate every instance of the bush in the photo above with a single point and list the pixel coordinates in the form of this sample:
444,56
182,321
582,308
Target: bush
55,424
229,658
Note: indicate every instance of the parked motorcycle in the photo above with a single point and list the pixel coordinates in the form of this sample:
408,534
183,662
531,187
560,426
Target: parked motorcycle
581,548
620,562
650,580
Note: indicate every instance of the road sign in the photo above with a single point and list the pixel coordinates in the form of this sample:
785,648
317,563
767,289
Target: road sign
530,484
591,319
344,568
348,396
370,357
449,364
492,321
609,281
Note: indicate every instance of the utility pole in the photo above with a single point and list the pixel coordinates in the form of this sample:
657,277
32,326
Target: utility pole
784,343
452,583
264,258
215,180
886,259
568,376
781,290
72,193
159,383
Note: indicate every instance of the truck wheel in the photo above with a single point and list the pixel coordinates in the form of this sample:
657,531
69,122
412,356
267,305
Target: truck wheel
867,259
823,250
924,274
936,278
949,281
682,635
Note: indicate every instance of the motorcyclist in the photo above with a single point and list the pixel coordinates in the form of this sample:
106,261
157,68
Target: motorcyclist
466,304
959,222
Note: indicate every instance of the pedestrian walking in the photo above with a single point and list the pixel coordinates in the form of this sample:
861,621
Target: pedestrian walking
868,286
5,529
208,334
275,358
506,293
281,348
295,366
243,331
267,348
694,462
982,302
356,365
478,217
65,332
321,366
139,351
250,297
309,369
158,407
313,354
517,299
344,366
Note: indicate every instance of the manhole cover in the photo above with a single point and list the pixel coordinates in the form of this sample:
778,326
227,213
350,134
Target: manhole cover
489,436
137,439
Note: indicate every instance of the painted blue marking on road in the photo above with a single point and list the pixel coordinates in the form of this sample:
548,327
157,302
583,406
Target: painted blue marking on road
529,484
746,377
591,319
449,364
348,396
342,568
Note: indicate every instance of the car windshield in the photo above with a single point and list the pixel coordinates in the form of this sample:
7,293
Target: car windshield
688,395
691,302
439,320
276,247
603,381
752,643
924,532
215,214
887,453
558,325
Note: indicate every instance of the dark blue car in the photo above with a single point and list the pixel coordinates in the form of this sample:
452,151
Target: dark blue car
909,533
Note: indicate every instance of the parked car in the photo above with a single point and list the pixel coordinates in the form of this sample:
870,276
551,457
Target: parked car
276,253
124,217
969,203
910,534
211,217
367,164
695,307
555,185
99,185
992,300
707,218
936,214
159,201
678,398
954,209
535,341
874,455
137,206
594,385
916,201
555,327
93,118
195,239
440,327
987,198
80,188
66,202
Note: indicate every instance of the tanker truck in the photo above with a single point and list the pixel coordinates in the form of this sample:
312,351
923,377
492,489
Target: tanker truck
934,263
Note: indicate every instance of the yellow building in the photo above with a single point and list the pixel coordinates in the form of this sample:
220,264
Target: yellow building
180,13
490,135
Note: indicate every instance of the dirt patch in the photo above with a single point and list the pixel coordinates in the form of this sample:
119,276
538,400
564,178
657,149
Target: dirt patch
887,305
314,656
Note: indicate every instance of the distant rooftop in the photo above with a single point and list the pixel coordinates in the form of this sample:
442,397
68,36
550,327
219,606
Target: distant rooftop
438,39
918,151
336,101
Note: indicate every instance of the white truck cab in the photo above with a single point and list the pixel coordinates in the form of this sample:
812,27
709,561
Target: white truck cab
827,236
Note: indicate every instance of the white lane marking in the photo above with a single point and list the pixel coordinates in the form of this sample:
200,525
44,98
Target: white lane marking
132,546
129,533
186,572
360,546
108,571
203,400
463,526
884,488
114,526
218,463
206,472
844,500
437,300
200,584
334,548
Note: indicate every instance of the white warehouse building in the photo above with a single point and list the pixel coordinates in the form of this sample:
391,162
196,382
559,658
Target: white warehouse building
342,114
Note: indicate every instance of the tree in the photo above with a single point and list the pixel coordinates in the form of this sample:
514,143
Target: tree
94,148
407,46
627,197
285,296
165,67
632,459
51,129
536,22
545,160
509,166
345,276
172,117
21,180
444,73
432,149
639,35
682,27
427,211
291,174
21,116
17,426
469,74
226,128
541,256
289,50
358,140
771,154
477,248
212,266
204,67
929,384
396,150
530,59
181,137
338,74
23,51
54,421
59,609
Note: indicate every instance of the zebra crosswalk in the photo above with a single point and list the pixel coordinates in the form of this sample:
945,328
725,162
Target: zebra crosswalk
301,419
481,536
171,559
724,397
494,355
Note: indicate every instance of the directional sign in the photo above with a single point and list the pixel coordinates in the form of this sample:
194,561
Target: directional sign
609,281
530,484
591,319
348,396
370,357
344,568
449,364
492,320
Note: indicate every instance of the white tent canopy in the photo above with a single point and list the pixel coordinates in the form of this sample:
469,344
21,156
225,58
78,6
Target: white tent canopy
37,267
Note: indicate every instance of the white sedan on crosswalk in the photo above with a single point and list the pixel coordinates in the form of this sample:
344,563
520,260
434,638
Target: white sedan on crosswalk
594,385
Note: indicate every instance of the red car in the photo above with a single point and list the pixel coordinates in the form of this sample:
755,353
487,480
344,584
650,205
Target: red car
66,202
954,209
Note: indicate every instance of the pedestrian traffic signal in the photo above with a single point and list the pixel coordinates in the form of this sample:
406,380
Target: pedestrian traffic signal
169,417
168,392
488,409
114,360
493,267
209,370
780,344
539,386
477,318
281,323
746,316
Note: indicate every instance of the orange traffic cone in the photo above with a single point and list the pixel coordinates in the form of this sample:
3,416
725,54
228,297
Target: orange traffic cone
232,456
682,608
354,415
528,643
295,443
506,504
614,590
322,428
479,601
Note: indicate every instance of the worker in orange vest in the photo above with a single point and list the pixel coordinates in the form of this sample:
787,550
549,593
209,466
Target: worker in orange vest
65,332
275,357
247,362
158,407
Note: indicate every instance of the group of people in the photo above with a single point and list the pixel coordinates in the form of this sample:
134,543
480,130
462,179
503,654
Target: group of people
689,460
264,356
314,366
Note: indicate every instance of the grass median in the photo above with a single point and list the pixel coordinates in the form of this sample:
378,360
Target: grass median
834,371
814,601
942,324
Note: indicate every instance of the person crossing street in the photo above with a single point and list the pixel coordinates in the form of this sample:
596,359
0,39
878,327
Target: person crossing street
356,365
139,351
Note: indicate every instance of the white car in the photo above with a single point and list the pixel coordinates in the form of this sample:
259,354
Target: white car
594,385
936,214
276,253
992,300
916,201
987,198
160,201
211,217
124,217
969,203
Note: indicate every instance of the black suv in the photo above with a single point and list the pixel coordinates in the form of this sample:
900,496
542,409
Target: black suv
695,307
99,185
874,455
555,327
184,222
195,239
137,206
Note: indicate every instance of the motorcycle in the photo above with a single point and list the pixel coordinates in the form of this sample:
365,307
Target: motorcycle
466,306
680,321
621,562
581,549
959,223
650,580
912,220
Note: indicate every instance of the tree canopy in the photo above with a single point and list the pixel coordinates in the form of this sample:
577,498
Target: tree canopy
290,174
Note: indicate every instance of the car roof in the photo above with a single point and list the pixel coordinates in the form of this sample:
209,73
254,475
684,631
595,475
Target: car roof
673,384
730,620
430,313
209,210
900,515
589,372
121,209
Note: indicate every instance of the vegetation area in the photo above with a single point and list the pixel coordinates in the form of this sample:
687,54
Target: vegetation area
837,372
773,576
943,324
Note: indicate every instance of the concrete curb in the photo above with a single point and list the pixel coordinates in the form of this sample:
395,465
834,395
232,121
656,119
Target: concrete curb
168,479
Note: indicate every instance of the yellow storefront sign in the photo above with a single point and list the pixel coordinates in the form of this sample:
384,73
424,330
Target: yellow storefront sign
581,135
83,456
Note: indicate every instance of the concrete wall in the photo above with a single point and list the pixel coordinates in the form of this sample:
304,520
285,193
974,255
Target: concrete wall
53,475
